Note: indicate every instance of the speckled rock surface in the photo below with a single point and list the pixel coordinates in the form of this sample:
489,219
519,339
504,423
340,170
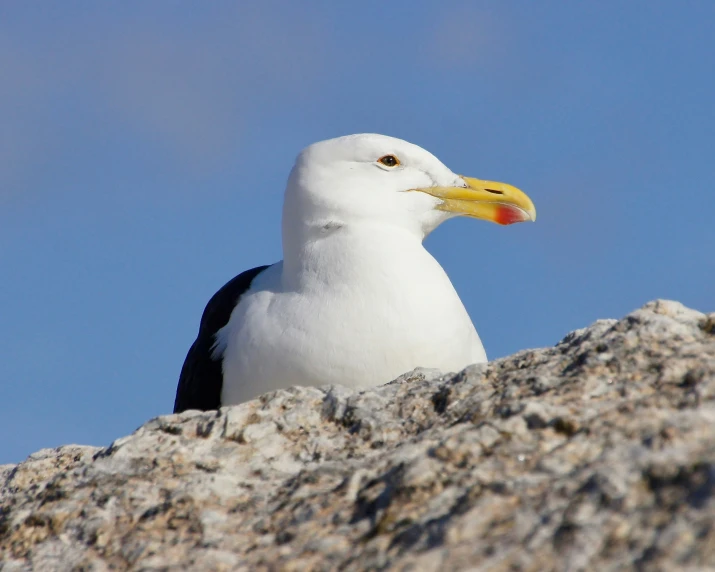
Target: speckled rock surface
598,453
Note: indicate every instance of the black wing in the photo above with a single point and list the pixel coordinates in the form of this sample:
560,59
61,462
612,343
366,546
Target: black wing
201,376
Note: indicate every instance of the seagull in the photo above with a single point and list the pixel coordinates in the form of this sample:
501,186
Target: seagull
356,300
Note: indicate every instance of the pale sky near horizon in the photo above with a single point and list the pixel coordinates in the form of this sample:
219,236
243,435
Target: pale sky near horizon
144,149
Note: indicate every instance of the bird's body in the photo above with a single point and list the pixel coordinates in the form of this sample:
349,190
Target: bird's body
379,313
356,300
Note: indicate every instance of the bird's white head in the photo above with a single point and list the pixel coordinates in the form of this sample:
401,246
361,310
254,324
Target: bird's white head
371,179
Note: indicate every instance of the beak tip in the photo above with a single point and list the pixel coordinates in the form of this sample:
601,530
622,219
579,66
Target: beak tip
510,214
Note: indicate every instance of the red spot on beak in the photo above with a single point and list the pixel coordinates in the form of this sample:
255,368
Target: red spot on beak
506,214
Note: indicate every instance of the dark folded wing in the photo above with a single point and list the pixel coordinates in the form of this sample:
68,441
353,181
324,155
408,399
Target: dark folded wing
201,376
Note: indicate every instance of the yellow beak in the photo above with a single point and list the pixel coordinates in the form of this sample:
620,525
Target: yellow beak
488,200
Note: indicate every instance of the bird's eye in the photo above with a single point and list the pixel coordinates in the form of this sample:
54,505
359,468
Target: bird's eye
389,161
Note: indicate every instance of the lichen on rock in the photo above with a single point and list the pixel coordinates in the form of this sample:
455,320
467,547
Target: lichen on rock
596,453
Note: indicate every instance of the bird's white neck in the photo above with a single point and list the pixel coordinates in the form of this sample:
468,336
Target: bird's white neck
352,253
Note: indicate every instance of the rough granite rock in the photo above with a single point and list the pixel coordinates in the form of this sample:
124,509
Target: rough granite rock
598,453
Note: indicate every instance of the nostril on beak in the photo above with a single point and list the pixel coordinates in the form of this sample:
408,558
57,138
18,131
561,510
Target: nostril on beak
494,191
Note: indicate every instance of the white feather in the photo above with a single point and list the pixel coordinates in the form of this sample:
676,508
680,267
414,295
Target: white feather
357,300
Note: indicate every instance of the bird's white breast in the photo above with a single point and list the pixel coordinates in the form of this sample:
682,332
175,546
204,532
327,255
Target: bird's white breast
359,309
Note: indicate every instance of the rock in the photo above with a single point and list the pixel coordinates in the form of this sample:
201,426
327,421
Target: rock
598,453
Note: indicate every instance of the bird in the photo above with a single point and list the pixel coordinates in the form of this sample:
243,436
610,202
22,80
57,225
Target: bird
356,300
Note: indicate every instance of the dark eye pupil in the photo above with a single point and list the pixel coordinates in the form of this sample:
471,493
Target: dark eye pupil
389,161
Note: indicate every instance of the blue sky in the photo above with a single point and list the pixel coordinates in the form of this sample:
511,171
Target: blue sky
144,150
